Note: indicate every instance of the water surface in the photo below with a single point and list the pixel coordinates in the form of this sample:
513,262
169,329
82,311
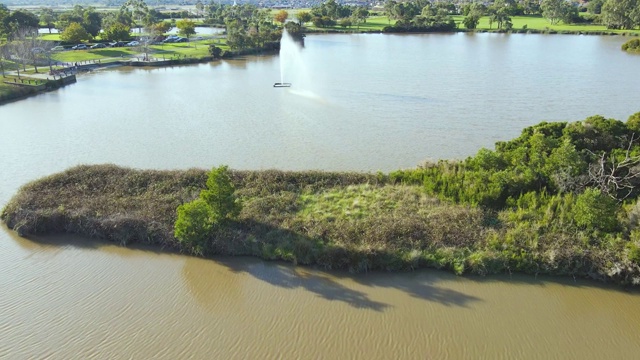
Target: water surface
361,102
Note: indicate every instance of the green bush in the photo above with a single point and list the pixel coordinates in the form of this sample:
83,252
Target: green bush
631,45
220,194
633,124
633,248
596,211
217,204
194,225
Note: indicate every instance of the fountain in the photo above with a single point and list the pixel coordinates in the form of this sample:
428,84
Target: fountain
289,57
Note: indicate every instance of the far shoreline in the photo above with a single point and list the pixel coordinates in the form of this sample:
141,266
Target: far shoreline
91,64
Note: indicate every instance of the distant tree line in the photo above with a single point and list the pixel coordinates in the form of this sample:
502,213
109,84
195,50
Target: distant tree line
436,15
247,26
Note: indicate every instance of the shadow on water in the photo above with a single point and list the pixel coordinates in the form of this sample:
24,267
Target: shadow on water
291,277
55,243
421,285
329,286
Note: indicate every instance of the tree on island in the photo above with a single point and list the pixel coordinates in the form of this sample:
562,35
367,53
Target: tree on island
212,210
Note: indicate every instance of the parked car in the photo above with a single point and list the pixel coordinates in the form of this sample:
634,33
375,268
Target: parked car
37,50
57,48
98,46
199,38
133,43
181,40
80,47
117,44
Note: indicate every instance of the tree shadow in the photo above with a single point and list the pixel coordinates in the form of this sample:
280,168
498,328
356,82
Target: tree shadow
328,284
420,284
56,242
292,277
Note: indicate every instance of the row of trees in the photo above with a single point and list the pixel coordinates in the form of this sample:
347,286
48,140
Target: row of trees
615,14
247,26
84,23
421,15
19,39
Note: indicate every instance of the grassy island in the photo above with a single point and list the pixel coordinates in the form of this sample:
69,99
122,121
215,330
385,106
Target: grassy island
560,199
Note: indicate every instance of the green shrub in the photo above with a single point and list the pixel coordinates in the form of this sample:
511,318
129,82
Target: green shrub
596,211
217,204
194,225
631,45
633,249
220,194
633,124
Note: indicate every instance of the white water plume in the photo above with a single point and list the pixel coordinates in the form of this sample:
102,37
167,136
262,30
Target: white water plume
292,68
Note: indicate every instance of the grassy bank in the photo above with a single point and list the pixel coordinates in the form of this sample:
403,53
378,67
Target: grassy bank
194,49
348,221
11,92
521,24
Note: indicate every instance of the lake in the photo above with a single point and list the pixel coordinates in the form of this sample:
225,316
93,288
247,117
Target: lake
358,102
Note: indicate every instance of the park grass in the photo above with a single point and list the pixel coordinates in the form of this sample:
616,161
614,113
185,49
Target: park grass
191,49
539,23
533,23
194,49
50,37
91,55
10,92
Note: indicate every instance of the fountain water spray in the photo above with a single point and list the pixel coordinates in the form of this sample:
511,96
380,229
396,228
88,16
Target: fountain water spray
290,59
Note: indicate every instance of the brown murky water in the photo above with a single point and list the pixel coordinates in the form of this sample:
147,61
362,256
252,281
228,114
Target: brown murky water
438,96
73,298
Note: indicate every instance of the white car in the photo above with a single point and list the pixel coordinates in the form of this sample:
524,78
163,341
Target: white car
133,43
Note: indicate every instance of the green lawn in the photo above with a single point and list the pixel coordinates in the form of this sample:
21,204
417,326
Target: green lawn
541,24
377,23
192,49
50,37
97,54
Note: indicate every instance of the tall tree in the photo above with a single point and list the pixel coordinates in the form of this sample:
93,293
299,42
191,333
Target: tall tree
555,10
75,33
595,6
91,21
4,13
116,32
281,16
360,15
303,17
48,18
621,14
186,27
199,8
21,20
138,10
